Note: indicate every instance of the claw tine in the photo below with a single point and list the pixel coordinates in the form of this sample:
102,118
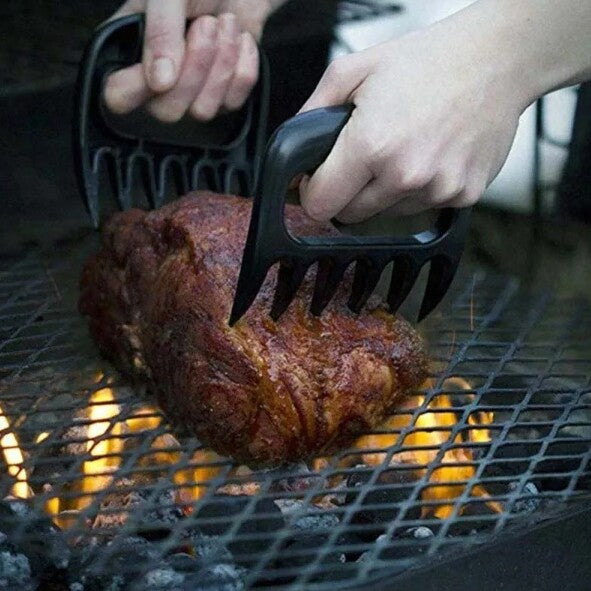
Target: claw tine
92,206
404,276
124,196
441,275
249,284
148,173
328,277
289,279
103,165
91,199
367,275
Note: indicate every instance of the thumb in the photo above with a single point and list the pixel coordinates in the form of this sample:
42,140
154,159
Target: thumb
164,43
339,82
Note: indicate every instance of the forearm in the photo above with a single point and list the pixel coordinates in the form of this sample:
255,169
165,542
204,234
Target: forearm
538,45
275,4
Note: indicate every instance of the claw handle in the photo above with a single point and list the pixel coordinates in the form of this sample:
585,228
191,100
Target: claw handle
230,142
299,145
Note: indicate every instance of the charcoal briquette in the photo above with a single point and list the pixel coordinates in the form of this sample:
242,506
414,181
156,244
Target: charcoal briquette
15,571
310,518
208,549
405,548
302,548
475,517
530,501
151,518
380,505
162,578
114,565
250,539
182,562
216,577
35,536
419,533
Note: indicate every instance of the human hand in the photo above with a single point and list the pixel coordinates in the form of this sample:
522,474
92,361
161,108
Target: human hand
212,67
435,115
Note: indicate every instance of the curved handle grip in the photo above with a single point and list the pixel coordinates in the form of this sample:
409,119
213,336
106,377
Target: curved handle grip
299,145
230,145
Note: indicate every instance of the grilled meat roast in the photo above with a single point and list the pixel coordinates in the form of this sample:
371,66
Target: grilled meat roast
158,297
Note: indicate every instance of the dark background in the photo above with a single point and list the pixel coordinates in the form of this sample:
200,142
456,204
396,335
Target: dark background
40,45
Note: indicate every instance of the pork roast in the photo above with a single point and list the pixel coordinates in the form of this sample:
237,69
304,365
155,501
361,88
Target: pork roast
158,297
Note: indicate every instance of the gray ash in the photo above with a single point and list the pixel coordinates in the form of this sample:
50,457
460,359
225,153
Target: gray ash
216,577
15,570
126,559
310,519
37,538
529,500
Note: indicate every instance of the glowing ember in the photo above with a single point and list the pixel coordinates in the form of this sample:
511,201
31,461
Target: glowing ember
13,457
422,445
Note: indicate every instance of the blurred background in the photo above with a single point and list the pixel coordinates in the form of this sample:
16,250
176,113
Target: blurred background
532,223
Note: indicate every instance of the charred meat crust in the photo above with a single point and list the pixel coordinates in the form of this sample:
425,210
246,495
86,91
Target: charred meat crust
158,296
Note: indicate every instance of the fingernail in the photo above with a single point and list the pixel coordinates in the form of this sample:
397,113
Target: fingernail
162,72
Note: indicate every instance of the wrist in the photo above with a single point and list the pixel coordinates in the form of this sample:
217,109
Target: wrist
534,46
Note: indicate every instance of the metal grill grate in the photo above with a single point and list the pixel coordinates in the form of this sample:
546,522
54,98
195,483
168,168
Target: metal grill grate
136,521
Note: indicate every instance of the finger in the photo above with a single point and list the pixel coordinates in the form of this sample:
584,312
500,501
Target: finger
211,97
245,73
470,195
126,90
199,55
410,204
369,201
163,42
339,82
337,180
129,7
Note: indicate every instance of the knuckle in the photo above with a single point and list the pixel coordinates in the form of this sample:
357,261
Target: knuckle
336,71
246,79
199,60
225,61
471,196
451,186
115,94
159,38
165,112
412,177
371,148
201,112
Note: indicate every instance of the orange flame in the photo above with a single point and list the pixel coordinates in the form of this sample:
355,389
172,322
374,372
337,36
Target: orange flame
431,430
14,459
107,441
448,472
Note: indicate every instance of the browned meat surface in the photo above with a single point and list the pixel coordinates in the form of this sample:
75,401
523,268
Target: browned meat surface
158,297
